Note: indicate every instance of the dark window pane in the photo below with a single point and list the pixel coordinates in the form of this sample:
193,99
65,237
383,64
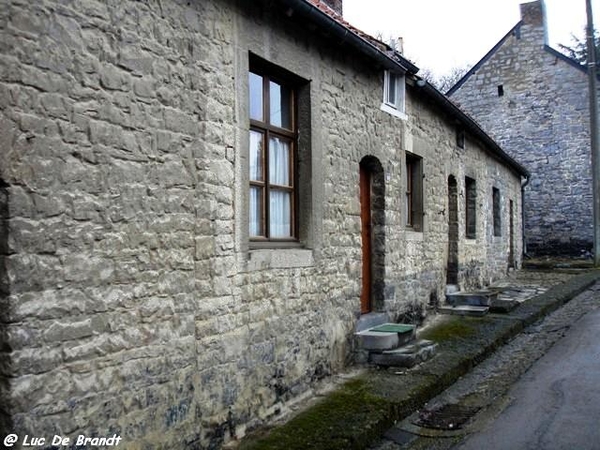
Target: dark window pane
256,97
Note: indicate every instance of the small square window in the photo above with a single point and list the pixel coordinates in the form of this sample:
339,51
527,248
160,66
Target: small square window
393,93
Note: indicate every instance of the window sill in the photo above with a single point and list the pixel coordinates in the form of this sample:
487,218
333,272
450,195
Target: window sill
393,111
279,258
414,235
272,245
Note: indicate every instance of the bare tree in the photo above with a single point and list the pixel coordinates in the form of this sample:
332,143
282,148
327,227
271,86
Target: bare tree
444,82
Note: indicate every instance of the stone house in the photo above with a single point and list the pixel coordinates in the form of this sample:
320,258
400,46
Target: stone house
534,102
200,199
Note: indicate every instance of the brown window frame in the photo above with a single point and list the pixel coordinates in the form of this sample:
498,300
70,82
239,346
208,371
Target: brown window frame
268,130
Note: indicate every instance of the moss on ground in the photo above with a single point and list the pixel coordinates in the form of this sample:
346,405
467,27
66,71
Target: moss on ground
362,409
346,419
455,328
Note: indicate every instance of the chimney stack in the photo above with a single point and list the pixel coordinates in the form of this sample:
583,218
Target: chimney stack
533,13
533,16
335,5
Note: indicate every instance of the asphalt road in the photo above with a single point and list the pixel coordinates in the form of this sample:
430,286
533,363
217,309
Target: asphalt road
556,404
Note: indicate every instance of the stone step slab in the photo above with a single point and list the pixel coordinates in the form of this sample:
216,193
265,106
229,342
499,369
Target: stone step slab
465,310
473,298
408,355
503,306
387,336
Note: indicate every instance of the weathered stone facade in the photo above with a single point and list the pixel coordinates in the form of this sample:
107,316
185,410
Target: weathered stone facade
132,301
534,101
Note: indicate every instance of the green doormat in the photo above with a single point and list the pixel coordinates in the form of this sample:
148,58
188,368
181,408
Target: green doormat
393,328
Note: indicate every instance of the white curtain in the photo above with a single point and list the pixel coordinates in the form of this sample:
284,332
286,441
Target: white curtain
280,214
256,143
256,174
255,211
280,201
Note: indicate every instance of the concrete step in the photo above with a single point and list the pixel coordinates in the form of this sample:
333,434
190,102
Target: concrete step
452,288
371,320
472,298
465,310
405,356
386,336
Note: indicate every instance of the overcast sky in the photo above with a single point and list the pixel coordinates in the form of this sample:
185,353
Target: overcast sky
442,34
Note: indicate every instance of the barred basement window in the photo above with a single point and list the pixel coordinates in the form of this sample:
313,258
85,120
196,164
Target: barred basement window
470,208
497,216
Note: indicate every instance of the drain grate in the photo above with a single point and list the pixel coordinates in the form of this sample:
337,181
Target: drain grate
446,417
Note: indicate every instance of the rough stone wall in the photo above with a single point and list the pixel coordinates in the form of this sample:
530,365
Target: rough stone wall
131,301
113,125
430,134
543,121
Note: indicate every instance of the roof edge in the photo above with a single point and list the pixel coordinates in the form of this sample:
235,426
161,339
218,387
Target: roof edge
346,34
483,60
472,126
565,58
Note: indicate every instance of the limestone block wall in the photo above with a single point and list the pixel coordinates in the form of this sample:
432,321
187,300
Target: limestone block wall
541,119
132,302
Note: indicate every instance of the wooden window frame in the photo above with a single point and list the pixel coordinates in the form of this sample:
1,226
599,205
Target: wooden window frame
268,131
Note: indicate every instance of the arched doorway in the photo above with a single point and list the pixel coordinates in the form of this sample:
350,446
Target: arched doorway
372,219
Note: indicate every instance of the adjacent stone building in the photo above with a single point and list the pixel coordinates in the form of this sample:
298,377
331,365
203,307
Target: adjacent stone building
200,200
534,102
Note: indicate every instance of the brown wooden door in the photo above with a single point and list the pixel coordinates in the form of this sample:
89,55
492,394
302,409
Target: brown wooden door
365,222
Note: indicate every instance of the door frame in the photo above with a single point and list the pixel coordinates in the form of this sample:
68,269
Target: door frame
373,247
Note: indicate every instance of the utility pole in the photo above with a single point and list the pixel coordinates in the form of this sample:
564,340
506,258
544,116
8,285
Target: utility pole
591,63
